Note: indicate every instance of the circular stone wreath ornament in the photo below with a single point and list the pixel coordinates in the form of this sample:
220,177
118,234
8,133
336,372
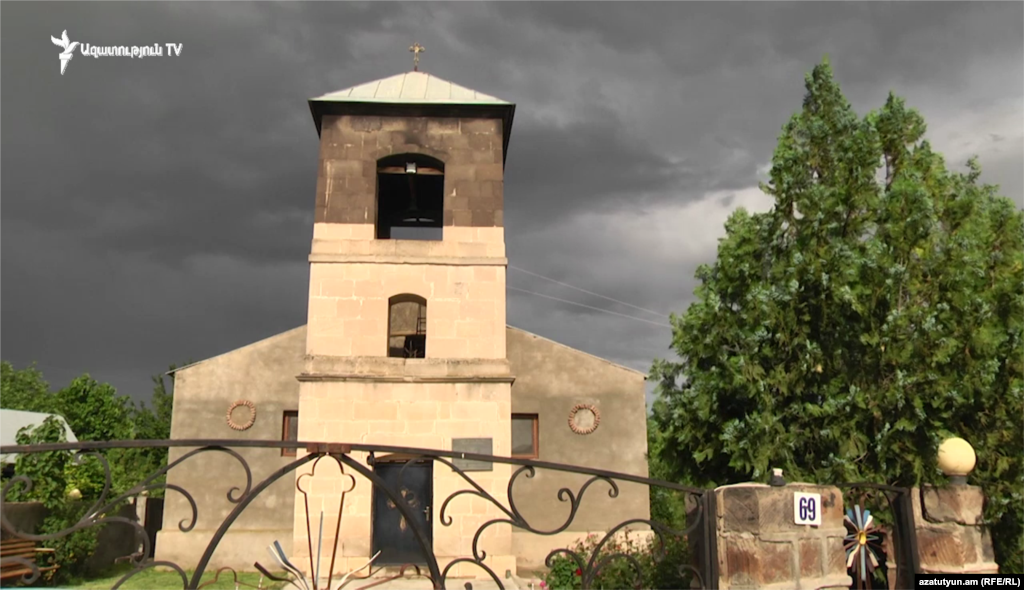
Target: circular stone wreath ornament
252,415
584,419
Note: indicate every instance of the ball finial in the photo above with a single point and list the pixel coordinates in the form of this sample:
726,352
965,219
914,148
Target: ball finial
956,459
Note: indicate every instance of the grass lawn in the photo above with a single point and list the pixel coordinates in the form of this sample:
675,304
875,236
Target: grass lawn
152,579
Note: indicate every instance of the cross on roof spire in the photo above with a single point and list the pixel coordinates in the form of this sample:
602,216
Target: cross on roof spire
416,48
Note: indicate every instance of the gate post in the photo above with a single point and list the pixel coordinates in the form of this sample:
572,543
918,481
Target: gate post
760,544
951,538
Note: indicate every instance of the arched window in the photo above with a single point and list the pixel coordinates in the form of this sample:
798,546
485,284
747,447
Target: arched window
407,327
410,197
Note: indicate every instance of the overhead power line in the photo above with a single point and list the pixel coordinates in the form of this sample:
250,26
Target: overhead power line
637,307
615,313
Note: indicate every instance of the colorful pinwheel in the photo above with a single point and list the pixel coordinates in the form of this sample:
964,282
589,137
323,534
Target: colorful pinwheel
860,555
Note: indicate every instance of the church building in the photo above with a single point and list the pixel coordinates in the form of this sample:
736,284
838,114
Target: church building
406,344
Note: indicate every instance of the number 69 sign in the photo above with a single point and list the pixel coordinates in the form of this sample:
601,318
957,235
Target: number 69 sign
807,509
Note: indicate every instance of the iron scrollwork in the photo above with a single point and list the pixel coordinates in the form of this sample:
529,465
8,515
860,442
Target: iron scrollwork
240,497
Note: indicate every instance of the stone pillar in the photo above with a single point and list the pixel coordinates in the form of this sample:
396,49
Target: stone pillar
950,537
760,546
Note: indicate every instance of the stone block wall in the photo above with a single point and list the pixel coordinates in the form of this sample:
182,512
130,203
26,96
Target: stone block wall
348,306
950,536
471,149
759,546
408,414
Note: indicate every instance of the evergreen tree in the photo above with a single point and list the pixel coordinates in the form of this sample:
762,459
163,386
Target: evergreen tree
874,311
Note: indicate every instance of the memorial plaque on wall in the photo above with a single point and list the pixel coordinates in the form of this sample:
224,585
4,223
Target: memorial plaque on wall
479,446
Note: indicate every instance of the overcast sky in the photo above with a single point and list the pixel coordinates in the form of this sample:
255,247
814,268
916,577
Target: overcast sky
130,241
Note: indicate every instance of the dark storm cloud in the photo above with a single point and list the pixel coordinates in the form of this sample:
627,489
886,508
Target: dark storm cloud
589,163
160,210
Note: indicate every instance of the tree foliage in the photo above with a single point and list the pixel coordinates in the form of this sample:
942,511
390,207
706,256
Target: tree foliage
53,476
94,412
874,311
23,390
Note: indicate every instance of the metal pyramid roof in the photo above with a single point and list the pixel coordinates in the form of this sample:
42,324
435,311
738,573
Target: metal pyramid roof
411,88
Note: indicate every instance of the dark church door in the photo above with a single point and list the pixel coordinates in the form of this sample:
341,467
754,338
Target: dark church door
392,535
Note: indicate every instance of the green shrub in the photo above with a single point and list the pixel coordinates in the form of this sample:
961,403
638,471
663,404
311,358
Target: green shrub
632,562
53,475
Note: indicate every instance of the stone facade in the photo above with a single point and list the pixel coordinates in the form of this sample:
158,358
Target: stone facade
264,374
471,149
352,276
336,374
759,546
350,390
550,379
950,535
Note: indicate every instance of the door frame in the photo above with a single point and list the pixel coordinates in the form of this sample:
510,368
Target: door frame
395,460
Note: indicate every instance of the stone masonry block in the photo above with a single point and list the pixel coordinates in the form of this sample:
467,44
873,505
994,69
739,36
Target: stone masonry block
365,123
328,344
417,411
478,411
487,290
368,288
424,441
491,235
941,547
959,504
460,173
455,141
489,156
465,188
483,218
332,231
393,123
420,427
740,509
462,274
489,172
364,327
458,428
369,346
341,169
442,126
811,558
440,328
323,307
386,427
467,329
336,287
477,310
381,410
470,126
350,308
742,563
480,143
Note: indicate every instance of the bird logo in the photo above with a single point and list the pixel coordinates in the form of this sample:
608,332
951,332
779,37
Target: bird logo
68,46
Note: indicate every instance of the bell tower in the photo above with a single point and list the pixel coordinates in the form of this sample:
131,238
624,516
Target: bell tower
406,321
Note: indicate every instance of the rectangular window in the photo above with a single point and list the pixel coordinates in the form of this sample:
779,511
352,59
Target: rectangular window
524,436
290,431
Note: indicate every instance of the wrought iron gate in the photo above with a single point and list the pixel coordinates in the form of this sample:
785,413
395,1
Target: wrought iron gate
698,532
